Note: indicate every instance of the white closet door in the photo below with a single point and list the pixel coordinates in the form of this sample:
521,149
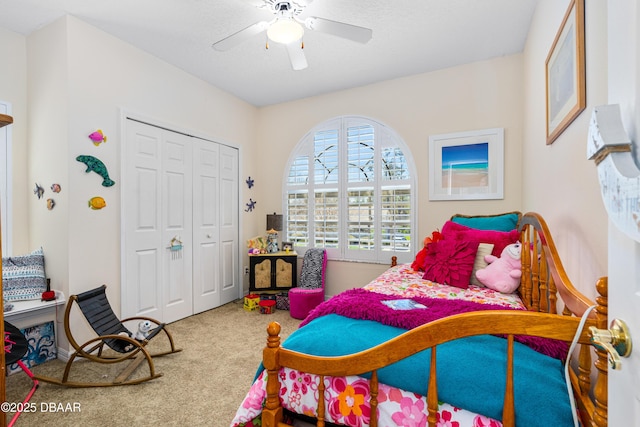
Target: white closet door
206,234
177,221
229,224
142,222
157,202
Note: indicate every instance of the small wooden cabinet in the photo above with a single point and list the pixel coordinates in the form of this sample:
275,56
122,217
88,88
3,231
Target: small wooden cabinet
273,272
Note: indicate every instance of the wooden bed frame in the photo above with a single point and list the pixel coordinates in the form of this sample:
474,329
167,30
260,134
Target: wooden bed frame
543,282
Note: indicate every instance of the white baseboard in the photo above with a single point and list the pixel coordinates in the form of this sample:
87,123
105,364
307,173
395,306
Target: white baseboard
63,354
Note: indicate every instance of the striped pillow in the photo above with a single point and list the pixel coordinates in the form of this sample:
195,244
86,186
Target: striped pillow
23,277
483,249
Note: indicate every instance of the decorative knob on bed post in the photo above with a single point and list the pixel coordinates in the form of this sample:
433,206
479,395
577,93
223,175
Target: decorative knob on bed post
272,412
616,341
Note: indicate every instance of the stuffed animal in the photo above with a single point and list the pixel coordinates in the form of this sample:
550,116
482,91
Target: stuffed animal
144,328
502,274
257,245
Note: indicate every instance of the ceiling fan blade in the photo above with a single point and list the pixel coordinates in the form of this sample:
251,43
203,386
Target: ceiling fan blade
296,56
242,35
260,4
340,29
301,4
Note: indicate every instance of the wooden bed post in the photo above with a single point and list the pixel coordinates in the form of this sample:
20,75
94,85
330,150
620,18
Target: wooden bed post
432,390
525,282
272,412
539,273
600,389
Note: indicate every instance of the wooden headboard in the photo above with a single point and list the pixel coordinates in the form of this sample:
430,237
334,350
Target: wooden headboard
544,286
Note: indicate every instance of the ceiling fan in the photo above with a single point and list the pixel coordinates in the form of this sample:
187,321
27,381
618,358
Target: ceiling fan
288,29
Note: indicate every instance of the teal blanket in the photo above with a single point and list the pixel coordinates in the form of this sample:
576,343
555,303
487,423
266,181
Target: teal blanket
471,371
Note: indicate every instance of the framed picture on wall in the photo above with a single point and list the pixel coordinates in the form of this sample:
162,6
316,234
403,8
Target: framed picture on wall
565,73
467,165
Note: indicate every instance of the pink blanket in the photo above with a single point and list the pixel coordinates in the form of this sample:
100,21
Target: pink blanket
367,305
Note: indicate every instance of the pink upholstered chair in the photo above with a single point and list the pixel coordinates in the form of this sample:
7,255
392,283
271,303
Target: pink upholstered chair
310,290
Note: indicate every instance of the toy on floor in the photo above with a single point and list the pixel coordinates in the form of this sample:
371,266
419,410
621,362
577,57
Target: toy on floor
144,328
502,274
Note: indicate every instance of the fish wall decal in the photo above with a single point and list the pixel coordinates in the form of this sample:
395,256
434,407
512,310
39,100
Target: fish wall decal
97,203
97,137
38,190
96,165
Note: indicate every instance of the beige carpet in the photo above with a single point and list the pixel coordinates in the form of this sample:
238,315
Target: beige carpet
201,386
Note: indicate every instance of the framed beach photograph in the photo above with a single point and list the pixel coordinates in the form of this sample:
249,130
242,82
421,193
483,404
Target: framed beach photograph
565,73
467,165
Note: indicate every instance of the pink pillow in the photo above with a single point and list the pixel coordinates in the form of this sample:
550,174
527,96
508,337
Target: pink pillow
418,263
450,262
499,239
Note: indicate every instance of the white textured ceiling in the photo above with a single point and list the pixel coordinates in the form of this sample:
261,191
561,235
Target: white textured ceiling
409,37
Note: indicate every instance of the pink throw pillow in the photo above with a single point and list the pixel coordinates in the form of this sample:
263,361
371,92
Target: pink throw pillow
419,263
450,262
499,239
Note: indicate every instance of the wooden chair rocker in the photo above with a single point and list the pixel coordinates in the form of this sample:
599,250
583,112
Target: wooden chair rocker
114,334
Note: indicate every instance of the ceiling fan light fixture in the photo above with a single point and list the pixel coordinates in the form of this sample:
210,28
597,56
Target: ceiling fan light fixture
285,31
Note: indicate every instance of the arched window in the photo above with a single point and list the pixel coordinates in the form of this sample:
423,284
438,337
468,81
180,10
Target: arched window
350,188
